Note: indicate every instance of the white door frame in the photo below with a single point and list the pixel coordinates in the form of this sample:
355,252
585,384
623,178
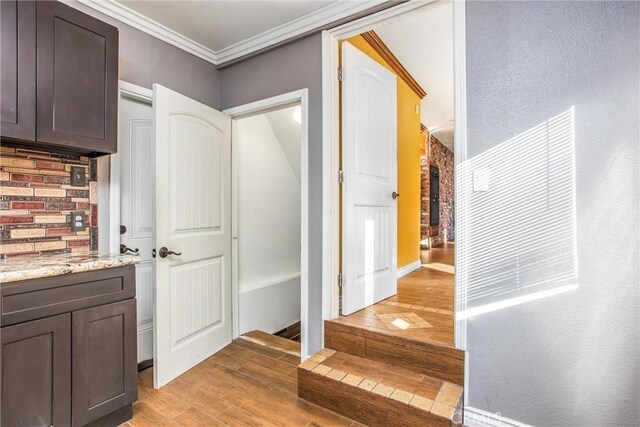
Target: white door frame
139,93
331,152
253,108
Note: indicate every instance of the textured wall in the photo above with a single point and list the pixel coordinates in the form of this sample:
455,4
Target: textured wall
36,199
292,67
569,358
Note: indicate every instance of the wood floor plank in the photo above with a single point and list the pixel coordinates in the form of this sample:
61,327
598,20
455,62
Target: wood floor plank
195,417
236,416
258,348
145,416
290,359
164,401
218,392
269,377
275,340
260,359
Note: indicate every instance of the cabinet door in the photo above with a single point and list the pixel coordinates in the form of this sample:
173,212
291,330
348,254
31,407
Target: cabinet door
77,77
104,360
18,70
36,373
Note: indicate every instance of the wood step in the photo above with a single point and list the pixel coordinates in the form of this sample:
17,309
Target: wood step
377,394
433,359
273,341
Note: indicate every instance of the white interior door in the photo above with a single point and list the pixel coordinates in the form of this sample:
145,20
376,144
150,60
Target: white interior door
369,163
193,219
137,177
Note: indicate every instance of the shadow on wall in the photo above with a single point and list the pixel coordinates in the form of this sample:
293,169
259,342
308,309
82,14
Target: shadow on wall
528,251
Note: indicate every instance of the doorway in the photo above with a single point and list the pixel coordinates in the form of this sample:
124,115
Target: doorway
132,187
269,203
384,37
179,199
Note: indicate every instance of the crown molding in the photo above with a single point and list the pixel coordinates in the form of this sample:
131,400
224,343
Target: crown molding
383,50
318,19
295,28
140,22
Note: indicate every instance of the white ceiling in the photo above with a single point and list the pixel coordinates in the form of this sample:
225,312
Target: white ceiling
222,23
423,43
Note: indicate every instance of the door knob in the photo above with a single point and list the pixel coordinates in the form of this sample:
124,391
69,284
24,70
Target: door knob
395,195
163,252
124,249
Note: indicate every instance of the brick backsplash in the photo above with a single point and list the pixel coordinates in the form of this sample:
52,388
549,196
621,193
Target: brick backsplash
36,198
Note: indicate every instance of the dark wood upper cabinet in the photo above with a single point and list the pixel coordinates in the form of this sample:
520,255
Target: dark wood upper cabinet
59,78
104,360
36,379
18,69
77,79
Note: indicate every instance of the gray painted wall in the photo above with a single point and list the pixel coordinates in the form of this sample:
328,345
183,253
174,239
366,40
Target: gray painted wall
572,358
288,68
145,60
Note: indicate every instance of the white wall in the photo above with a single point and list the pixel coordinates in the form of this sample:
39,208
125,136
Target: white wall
569,358
268,228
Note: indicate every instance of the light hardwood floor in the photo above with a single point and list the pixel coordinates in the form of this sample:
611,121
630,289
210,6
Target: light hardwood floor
245,384
423,307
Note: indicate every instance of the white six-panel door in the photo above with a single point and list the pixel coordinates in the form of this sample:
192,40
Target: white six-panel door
369,164
193,219
137,176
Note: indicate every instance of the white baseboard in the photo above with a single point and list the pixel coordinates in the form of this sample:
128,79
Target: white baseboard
474,417
403,271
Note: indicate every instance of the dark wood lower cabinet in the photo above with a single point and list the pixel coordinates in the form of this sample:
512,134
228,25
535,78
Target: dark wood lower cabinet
36,373
73,368
104,360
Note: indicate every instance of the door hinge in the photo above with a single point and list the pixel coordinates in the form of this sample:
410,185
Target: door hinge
341,280
340,177
340,74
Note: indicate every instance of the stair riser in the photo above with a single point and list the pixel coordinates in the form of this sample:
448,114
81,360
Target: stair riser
428,359
361,405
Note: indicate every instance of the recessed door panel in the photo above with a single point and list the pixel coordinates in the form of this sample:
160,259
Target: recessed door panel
195,147
196,296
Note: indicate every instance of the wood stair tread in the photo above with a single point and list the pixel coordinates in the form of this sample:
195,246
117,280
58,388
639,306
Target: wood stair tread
396,396
273,341
366,330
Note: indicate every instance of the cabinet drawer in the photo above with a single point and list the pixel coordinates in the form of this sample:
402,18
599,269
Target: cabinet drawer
37,298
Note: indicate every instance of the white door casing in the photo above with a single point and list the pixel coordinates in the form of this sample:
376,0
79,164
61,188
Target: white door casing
369,164
193,217
137,177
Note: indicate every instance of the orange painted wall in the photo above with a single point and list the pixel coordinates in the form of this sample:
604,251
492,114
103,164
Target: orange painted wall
409,141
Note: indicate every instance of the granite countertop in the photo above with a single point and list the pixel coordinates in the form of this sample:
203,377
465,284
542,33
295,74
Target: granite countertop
29,267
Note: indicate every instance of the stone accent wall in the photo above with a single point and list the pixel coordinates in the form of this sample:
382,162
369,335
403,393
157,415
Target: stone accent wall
36,199
435,153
